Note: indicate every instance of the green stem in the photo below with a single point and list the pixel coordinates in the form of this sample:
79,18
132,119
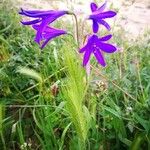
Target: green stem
77,28
82,27
140,81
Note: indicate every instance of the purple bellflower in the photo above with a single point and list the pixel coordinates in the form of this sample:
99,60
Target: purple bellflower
48,34
98,15
42,19
97,46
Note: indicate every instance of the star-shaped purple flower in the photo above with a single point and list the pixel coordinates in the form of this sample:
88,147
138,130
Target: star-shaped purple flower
41,18
97,46
98,15
48,34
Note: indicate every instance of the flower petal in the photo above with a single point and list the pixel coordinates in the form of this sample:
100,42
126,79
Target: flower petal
35,11
47,29
22,12
100,58
31,22
36,27
102,8
88,44
108,48
42,27
93,7
55,33
38,38
35,14
51,36
105,38
86,57
105,24
85,48
95,26
103,15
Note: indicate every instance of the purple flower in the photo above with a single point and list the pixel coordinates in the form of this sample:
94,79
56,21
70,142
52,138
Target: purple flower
98,15
42,18
48,34
97,46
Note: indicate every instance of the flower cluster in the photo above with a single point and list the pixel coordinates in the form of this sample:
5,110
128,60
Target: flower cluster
41,21
97,45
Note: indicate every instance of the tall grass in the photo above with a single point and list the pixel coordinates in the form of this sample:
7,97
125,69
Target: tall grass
74,91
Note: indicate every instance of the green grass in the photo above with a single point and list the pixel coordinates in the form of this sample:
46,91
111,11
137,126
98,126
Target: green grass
46,101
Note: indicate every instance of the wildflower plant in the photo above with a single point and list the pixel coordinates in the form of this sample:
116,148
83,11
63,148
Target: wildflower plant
44,32
94,45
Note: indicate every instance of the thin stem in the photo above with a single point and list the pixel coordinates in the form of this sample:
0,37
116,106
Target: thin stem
82,35
77,28
3,141
140,81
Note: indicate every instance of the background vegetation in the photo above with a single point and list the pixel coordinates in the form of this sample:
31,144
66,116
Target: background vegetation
47,103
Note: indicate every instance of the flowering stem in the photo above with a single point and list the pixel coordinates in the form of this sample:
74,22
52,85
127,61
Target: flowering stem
82,35
77,28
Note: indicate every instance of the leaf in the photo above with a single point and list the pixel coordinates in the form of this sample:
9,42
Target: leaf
60,107
144,123
63,136
87,115
138,140
112,111
3,75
